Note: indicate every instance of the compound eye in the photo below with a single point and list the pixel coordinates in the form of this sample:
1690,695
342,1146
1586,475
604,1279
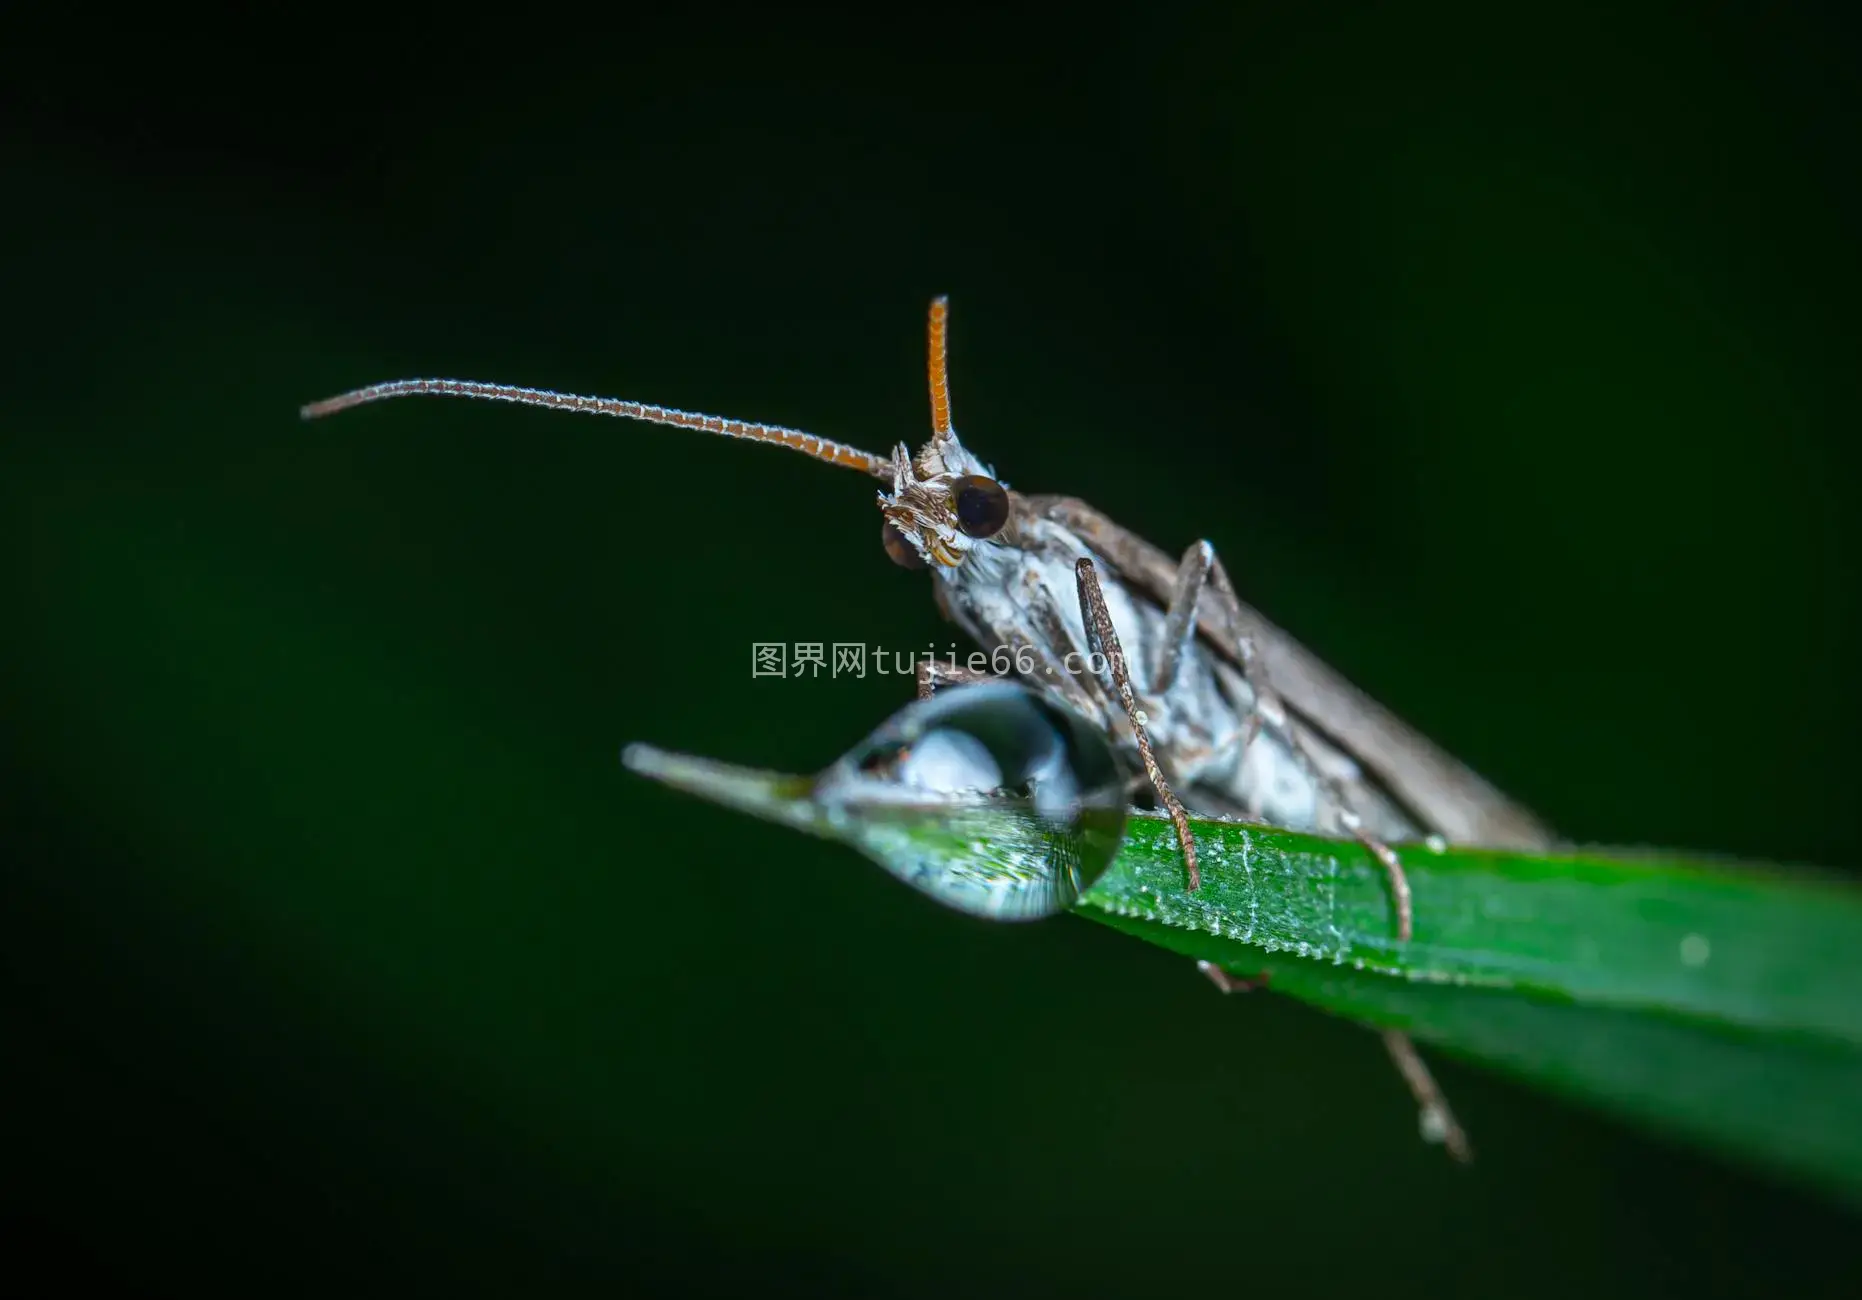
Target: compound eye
902,552
982,505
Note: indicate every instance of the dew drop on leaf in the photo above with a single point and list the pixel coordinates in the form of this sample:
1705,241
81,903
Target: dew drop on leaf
985,797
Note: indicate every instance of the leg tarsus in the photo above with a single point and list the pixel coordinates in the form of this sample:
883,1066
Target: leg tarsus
1229,982
1393,868
1437,1120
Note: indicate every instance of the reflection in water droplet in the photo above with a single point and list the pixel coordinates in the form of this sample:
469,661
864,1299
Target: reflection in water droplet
945,761
985,797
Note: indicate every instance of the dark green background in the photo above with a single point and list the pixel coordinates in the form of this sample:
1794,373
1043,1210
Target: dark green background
1506,360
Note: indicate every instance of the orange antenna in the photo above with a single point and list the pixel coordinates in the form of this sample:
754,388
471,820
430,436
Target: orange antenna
940,380
808,444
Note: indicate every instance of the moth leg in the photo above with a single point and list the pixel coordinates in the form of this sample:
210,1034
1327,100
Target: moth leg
1102,639
1438,1121
1266,702
1085,692
1180,620
1444,794
933,674
1035,664
1228,982
1148,569
1399,882
1198,569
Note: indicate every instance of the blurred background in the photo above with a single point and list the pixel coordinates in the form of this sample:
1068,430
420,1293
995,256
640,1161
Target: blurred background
1506,361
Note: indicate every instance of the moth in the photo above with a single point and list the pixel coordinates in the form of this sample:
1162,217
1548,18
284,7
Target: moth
1218,710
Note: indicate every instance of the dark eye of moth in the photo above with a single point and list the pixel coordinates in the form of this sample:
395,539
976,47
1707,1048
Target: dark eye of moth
903,553
982,505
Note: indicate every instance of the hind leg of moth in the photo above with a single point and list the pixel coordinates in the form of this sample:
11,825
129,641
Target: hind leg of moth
1102,639
1438,1122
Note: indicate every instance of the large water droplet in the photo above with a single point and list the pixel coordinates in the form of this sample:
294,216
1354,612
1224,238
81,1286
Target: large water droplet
985,797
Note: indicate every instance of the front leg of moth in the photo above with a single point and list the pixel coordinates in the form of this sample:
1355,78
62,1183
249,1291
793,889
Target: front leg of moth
1102,639
932,674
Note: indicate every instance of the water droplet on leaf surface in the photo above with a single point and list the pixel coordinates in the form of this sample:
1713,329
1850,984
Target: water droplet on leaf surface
985,797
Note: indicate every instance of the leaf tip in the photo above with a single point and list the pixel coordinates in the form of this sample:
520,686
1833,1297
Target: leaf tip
647,760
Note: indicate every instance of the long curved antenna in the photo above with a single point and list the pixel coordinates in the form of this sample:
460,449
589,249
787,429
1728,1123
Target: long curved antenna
835,453
935,333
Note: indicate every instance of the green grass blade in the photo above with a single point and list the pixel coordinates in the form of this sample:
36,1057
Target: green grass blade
1764,948
1713,1001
